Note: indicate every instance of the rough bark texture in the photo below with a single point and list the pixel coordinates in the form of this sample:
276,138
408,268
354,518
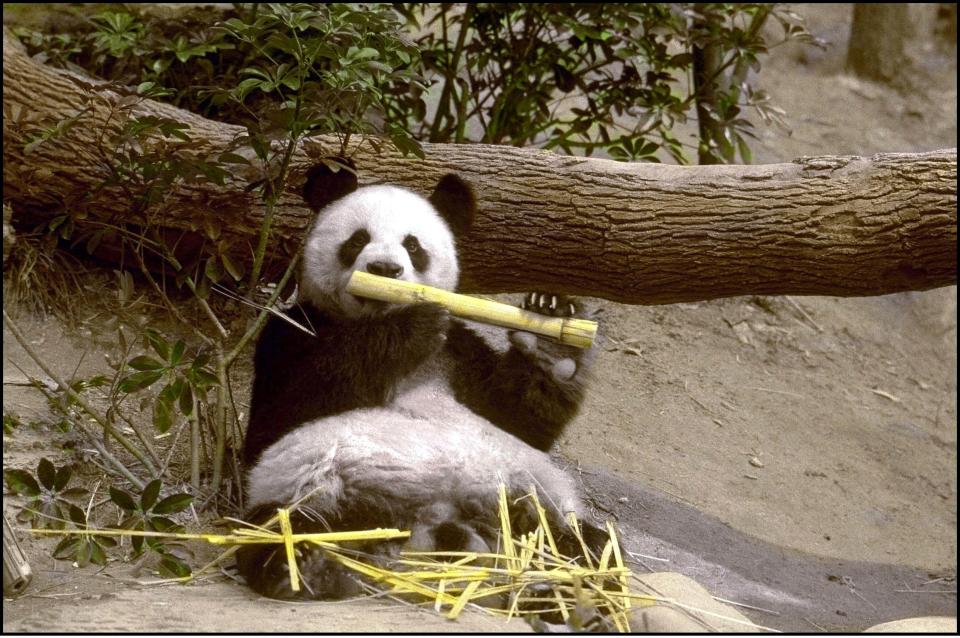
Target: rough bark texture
877,37
636,233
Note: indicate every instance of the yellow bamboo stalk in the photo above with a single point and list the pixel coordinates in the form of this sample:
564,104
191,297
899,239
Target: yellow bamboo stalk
568,330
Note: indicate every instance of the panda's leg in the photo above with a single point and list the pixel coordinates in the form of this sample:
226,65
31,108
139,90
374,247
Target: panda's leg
328,486
265,566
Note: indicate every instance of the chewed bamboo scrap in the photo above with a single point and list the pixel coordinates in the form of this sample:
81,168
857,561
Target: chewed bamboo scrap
452,581
568,330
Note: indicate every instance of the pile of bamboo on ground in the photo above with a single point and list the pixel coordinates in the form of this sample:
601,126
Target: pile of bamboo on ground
528,571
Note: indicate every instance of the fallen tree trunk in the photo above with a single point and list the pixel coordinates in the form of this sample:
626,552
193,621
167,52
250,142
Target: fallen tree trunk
635,233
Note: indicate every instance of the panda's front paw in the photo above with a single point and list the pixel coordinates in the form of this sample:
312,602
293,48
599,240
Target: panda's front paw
560,361
425,328
550,305
321,578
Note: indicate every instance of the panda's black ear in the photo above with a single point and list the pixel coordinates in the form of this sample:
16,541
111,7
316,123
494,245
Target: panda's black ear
454,200
328,181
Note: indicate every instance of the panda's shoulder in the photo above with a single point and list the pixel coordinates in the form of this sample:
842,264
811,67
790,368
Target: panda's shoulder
279,334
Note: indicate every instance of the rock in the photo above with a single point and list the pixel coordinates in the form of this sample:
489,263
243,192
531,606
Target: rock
700,612
922,625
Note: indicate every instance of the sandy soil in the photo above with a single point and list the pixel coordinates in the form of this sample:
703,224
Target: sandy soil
796,454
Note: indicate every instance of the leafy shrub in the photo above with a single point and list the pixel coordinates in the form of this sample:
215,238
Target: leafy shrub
592,77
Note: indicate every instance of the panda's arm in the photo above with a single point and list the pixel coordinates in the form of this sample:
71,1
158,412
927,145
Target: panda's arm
510,389
350,363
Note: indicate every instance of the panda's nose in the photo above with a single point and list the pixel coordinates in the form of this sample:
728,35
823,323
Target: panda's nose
385,269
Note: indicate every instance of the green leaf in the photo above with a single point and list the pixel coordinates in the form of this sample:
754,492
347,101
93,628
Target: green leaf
163,413
150,494
97,556
177,353
171,567
233,158
123,498
106,541
202,359
63,477
231,268
186,400
139,381
145,362
158,343
203,378
47,474
21,482
366,53
67,548
745,153
84,552
164,524
174,503
137,543
77,515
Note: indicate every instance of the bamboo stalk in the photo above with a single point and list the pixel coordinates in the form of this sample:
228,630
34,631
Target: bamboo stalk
16,569
568,330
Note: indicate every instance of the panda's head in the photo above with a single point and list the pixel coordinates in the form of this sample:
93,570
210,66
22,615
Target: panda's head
385,230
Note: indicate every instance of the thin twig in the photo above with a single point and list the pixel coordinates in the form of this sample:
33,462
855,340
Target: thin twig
635,554
732,602
254,330
64,387
223,291
94,441
804,313
885,395
791,394
815,624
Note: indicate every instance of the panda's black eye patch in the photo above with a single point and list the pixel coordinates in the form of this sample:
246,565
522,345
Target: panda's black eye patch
352,247
419,257
411,243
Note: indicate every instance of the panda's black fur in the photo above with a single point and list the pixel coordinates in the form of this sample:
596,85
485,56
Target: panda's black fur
348,412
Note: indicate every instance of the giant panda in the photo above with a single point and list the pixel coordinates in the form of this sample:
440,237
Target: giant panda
399,416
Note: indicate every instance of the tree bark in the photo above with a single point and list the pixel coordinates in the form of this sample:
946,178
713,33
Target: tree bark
635,233
878,35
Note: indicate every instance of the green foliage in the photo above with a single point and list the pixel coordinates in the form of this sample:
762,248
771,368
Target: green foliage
588,77
581,78
47,490
148,512
185,380
64,405
10,423
132,44
279,69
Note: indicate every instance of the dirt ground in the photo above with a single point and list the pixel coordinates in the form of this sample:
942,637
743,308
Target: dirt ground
795,454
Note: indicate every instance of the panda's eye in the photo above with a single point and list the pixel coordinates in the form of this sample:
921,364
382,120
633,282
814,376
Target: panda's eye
411,244
359,239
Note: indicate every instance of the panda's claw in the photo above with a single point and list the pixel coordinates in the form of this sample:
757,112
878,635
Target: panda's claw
549,304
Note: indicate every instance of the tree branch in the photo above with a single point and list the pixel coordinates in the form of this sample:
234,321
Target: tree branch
635,233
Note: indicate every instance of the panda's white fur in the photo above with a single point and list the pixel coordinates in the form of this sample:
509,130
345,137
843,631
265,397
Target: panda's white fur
425,446
418,450
390,214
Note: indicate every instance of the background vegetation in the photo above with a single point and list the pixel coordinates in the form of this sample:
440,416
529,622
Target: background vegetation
613,79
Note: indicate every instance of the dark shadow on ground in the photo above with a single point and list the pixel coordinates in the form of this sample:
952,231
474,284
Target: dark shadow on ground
806,592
